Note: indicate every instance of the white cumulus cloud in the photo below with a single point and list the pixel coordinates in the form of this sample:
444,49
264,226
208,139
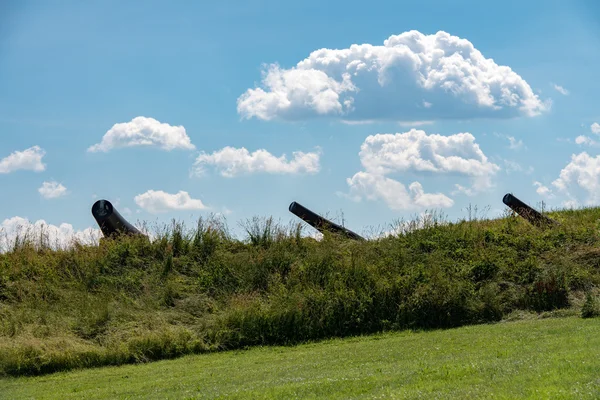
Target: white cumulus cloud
52,190
29,159
157,201
232,162
143,131
412,76
40,233
585,140
417,152
378,187
582,173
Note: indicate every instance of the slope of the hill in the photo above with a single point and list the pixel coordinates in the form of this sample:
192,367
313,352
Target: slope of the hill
131,300
554,358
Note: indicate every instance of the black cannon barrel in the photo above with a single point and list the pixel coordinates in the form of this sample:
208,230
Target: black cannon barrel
527,212
110,221
320,223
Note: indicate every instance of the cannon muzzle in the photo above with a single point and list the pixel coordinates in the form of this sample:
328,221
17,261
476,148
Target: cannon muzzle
320,223
534,217
110,221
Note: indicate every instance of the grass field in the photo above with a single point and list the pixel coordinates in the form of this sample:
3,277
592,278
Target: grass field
550,358
194,291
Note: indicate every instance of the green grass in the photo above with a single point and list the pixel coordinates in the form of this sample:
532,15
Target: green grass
200,290
549,358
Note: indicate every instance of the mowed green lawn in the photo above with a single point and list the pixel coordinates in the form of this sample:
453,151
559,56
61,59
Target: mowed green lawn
544,358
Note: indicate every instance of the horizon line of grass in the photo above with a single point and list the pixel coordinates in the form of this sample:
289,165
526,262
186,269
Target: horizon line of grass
41,237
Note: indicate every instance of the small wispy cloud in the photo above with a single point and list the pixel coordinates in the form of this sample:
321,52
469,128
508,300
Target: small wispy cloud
542,190
358,122
513,143
52,190
414,123
512,166
560,89
465,190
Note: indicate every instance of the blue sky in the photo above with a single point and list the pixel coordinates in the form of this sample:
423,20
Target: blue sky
70,71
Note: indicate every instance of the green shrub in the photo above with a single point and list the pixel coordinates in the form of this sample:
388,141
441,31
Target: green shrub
549,290
591,307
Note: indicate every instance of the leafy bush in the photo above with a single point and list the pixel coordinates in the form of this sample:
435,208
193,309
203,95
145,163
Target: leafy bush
591,307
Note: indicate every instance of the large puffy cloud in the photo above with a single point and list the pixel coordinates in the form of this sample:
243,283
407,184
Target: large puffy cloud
157,201
41,233
582,173
413,76
52,190
29,159
417,152
232,161
142,131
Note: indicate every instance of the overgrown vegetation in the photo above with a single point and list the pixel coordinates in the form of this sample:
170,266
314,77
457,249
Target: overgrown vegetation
191,291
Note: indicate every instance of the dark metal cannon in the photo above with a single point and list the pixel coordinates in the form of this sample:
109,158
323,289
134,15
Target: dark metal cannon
321,224
110,221
534,217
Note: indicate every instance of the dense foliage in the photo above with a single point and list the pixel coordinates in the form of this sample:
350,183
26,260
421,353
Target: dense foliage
132,300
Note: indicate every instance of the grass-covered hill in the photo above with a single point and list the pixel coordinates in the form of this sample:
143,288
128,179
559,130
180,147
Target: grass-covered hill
132,300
